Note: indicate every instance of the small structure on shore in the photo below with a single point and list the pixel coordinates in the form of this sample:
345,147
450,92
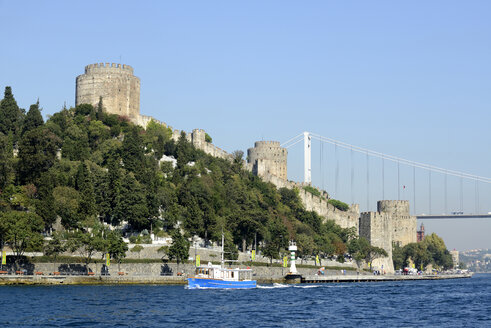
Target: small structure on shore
293,276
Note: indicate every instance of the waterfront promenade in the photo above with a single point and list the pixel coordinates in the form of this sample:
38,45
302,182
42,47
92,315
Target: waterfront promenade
181,280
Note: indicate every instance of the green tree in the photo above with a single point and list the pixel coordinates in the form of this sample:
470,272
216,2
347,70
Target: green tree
398,256
418,253
115,246
45,206
76,143
66,201
11,116
33,119
6,162
132,151
132,206
55,247
179,249
361,250
85,186
21,231
37,153
85,243
438,251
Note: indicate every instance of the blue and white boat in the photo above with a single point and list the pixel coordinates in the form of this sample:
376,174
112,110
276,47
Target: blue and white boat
217,276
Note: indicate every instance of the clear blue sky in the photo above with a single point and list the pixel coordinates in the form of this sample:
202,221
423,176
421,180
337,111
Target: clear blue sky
409,79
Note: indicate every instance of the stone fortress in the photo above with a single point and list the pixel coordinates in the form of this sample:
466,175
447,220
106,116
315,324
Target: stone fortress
120,93
115,84
267,157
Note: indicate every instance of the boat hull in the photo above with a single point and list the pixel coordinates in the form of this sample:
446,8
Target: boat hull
217,283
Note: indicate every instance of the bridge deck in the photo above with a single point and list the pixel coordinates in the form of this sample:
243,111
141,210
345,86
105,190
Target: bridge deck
455,216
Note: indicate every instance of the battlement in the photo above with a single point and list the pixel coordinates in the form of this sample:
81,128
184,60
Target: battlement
108,68
261,144
399,208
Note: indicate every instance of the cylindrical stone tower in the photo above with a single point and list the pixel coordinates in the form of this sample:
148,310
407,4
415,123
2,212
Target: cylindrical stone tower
268,157
115,83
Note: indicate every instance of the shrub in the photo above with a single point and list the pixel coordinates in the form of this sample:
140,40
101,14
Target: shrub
338,204
312,190
136,249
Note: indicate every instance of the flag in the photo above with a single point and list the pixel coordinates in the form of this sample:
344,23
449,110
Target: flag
198,260
4,257
253,255
108,259
317,260
285,261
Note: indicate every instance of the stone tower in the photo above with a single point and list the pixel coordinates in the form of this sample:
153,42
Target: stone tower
392,223
115,83
267,157
403,224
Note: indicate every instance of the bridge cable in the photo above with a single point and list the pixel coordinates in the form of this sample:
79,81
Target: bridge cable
285,144
445,192
352,178
429,191
337,171
321,159
414,190
477,197
401,160
383,178
368,183
398,181
461,194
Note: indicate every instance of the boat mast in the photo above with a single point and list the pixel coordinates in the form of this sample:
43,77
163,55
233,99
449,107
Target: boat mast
222,249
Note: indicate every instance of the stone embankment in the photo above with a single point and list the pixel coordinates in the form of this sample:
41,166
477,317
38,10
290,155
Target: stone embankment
156,273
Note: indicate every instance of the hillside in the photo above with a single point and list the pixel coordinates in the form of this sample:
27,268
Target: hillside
83,167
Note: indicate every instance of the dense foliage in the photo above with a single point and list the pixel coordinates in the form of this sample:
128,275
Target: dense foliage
431,250
87,170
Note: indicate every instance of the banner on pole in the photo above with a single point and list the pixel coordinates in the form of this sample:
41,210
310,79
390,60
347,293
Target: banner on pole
198,260
285,261
253,255
4,257
108,259
317,260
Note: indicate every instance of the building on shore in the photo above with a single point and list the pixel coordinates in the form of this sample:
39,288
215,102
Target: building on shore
420,234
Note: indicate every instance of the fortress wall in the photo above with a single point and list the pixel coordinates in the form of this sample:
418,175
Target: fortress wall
198,140
377,228
319,204
115,83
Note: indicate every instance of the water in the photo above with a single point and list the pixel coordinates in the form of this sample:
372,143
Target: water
447,303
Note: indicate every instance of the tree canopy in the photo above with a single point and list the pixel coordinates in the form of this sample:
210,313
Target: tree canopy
84,164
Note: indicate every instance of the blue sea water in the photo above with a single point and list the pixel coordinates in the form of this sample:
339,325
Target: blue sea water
445,303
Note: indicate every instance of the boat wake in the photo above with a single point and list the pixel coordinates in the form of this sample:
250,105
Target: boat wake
275,285
309,286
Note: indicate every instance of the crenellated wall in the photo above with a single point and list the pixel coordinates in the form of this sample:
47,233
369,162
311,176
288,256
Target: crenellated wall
392,223
345,219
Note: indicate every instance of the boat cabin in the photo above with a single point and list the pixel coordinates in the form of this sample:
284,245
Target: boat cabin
217,272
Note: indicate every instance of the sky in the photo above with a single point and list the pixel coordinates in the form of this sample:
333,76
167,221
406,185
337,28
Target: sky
407,79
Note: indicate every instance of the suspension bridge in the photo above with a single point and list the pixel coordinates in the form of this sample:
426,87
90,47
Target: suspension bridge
363,175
